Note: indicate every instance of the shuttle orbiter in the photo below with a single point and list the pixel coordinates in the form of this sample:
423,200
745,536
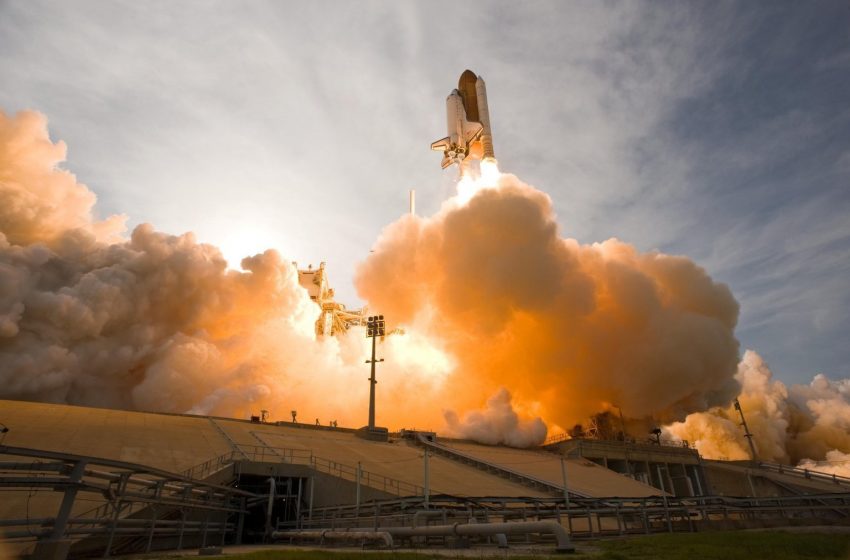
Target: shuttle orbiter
468,120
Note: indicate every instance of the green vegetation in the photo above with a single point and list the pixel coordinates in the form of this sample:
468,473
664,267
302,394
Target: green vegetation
726,545
730,545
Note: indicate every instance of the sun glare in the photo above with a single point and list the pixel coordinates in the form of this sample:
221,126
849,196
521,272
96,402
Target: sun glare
245,242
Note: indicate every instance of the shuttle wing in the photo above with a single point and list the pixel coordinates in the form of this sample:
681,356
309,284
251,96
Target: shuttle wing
441,145
471,131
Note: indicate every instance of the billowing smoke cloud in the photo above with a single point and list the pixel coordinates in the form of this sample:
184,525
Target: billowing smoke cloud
158,322
489,293
570,329
497,423
800,424
835,462
40,202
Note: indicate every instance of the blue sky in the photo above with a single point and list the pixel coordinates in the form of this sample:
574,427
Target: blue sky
718,130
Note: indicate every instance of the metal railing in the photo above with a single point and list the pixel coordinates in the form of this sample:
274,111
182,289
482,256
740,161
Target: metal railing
137,502
592,517
648,444
494,468
265,453
211,466
805,473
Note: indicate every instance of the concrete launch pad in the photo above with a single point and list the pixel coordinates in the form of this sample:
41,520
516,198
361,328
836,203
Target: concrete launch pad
116,482
179,442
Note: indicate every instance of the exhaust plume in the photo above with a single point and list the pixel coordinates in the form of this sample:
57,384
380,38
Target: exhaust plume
801,424
489,293
498,423
157,322
569,329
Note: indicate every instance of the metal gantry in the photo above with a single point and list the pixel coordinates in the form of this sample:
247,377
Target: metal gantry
134,504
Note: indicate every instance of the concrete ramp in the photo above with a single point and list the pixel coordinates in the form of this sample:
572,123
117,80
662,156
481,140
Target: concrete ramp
584,478
397,459
767,479
176,443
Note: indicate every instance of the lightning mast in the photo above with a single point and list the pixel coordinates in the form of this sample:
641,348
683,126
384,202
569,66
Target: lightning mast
747,433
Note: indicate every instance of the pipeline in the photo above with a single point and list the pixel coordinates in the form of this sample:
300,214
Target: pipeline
425,513
337,535
457,529
477,529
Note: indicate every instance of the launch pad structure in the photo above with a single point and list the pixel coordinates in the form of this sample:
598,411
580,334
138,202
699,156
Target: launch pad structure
334,317
79,482
109,482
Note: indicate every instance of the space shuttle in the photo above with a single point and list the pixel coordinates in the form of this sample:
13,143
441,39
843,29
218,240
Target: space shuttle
468,120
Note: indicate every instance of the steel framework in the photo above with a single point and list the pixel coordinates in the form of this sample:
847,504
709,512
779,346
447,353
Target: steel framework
131,502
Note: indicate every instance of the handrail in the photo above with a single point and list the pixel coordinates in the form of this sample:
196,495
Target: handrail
133,468
805,473
665,444
266,453
527,479
210,466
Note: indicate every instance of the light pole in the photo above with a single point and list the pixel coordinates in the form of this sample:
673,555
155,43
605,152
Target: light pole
375,327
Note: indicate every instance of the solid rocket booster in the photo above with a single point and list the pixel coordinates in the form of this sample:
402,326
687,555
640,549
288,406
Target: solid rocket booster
468,123
484,116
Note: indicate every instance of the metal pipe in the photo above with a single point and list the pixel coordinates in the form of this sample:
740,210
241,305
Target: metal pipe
479,529
426,513
339,535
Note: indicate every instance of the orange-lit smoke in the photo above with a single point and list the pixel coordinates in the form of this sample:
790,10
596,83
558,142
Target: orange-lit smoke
568,329
158,322
805,424
497,423
488,291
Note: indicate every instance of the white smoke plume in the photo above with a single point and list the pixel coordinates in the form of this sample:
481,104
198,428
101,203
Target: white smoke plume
158,322
489,293
572,328
801,424
835,462
497,423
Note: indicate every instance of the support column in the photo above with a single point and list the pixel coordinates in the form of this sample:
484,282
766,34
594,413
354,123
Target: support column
64,513
426,478
310,511
359,475
55,547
